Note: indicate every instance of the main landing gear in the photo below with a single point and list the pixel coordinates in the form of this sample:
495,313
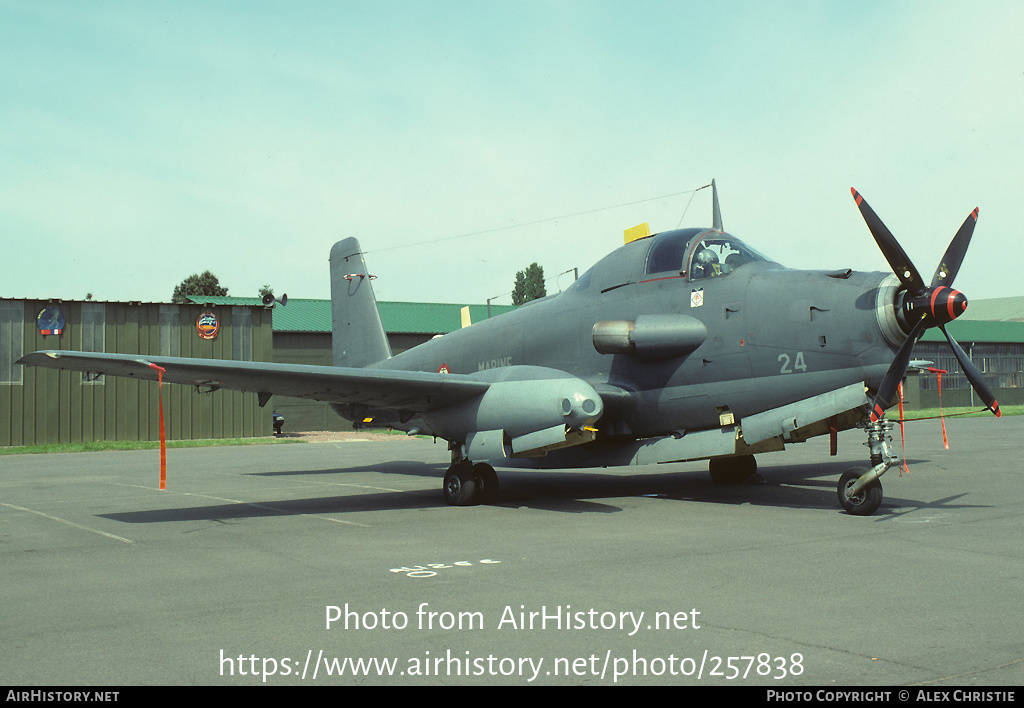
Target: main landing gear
859,490
733,470
466,484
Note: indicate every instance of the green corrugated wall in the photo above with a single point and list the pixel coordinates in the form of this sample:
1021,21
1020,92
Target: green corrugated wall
39,406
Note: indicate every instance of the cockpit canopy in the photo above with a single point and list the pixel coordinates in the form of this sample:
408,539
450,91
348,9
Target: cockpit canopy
697,254
686,253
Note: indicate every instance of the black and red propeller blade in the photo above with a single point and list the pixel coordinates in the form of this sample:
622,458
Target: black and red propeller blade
925,306
954,255
887,389
973,375
898,260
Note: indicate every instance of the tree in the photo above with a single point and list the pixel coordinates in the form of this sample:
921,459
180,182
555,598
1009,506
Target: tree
266,290
529,285
198,284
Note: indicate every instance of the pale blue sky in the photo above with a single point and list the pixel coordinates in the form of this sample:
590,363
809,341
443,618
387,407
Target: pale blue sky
145,141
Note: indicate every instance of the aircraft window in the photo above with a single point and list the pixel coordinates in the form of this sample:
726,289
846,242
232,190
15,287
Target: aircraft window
668,252
715,256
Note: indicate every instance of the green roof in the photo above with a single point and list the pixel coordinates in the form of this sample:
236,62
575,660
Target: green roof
978,331
1006,309
301,315
430,317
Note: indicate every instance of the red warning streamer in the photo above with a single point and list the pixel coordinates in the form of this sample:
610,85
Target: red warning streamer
903,438
939,373
163,439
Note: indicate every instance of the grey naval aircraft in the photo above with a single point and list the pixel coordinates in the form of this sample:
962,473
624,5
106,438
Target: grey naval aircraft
685,345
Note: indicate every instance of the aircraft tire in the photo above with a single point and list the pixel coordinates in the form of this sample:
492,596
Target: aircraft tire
459,485
865,503
486,480
732,470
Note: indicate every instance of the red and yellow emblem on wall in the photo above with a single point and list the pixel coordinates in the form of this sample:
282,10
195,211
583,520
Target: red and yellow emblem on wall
207,325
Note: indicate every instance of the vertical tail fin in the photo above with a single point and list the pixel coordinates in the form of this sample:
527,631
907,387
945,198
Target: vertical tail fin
357,334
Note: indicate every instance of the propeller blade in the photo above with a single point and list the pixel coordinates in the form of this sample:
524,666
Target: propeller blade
973,375
898,260
954,256
887,389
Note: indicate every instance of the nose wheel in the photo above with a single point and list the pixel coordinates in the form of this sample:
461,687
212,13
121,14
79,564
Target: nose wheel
861,503
859,490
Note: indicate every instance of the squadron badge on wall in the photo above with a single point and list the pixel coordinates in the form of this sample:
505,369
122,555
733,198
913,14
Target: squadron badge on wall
207,325
50,320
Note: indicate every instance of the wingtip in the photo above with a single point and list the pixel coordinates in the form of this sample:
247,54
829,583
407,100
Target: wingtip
856,195
36,358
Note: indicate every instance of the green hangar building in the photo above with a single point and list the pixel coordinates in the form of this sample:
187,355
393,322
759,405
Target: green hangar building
992,334
41,406
44,406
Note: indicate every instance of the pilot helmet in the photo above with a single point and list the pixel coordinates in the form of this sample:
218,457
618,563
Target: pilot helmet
706,257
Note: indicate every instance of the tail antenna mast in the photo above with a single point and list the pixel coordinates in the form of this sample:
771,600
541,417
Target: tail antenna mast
716,213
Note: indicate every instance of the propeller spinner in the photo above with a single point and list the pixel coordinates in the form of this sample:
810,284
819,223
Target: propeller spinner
925,306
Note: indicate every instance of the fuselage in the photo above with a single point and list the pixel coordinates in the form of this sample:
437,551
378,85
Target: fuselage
774,335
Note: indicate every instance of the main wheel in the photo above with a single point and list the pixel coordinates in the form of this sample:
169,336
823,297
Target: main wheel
866,501
732,470
459,485
486,480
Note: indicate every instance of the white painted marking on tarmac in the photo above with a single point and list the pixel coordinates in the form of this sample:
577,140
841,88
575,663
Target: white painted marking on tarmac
314,484
69,523
905,519
357,486
257,505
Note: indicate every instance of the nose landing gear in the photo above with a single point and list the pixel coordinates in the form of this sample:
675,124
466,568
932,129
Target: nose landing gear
859,490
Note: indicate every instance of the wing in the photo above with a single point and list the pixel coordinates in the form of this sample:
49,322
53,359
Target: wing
413,391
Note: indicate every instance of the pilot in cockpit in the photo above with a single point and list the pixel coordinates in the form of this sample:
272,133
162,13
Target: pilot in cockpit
705,265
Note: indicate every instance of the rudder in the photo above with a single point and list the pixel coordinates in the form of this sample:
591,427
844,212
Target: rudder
357,335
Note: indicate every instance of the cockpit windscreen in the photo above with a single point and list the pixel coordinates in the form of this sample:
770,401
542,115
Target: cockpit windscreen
699,254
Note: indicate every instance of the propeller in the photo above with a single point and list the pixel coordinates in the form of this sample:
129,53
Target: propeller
926,306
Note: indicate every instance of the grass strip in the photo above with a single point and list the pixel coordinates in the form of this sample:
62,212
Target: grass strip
958,411
104,445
